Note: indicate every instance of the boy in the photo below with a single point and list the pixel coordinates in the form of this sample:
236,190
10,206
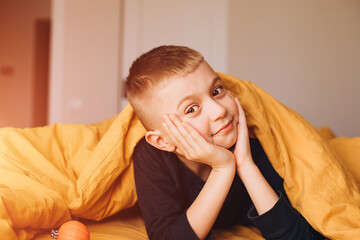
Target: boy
196,167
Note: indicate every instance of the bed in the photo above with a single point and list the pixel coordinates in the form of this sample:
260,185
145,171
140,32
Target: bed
51,174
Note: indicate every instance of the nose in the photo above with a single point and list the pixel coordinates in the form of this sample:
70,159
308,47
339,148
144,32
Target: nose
217,111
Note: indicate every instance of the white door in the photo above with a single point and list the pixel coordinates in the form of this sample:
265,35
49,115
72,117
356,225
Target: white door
200,24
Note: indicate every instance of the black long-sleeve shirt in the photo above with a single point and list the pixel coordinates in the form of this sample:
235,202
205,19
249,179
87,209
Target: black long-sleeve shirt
166,188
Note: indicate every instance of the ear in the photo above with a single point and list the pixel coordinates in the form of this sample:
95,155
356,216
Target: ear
156,139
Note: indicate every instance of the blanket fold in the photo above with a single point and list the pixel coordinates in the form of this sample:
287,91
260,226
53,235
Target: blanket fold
51,174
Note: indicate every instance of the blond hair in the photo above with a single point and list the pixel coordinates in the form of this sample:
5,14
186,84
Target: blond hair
154,67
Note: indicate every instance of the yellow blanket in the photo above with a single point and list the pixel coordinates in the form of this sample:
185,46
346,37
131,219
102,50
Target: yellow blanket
51,174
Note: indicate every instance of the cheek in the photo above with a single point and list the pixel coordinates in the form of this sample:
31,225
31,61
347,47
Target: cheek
231,107
202,127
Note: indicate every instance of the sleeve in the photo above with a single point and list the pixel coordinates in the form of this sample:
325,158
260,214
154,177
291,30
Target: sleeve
159,198
283,222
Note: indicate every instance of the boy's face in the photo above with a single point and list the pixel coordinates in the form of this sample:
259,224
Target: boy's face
200,99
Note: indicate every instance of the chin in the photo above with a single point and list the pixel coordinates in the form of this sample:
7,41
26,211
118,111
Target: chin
226,142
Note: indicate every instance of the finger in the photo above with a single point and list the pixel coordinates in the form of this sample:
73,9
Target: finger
195,135
176,134
198,142
242,147
242,129
240,110
187,133
171,128
179,126
206,146
178,147
194,143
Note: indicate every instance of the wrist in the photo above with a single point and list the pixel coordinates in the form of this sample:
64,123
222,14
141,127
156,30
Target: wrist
220,157
247,166
226,166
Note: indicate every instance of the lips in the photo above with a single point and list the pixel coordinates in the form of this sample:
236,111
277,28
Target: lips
224,128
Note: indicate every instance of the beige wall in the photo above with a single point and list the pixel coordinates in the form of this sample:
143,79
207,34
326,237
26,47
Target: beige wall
305,53
84,75
17,59
89,44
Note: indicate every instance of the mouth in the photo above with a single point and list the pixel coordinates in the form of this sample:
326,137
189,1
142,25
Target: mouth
225,128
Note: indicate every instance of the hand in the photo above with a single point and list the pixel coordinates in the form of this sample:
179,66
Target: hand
242,150
190,144
260,192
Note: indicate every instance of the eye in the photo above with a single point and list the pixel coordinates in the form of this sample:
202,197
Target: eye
218,91
191,109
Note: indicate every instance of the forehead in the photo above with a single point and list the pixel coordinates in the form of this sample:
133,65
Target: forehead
170,93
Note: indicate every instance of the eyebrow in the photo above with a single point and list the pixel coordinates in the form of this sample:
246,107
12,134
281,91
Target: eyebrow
216,78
